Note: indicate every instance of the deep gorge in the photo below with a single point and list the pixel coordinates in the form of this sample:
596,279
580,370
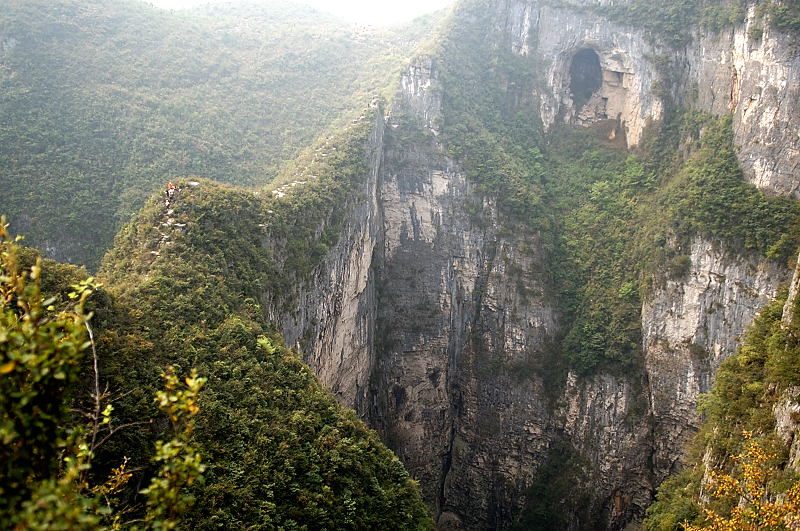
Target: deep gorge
524,268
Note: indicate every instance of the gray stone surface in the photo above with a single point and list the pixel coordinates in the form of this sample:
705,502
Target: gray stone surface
690,325
758,81
430,320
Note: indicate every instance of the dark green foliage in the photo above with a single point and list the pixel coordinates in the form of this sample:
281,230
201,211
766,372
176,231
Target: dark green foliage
56,283
555,497
596,193
109,100
672,22
306,220
783,15
181,464
678,266
286,455
745,387
710,196
676,502
47,452
491,124
40,350
614,214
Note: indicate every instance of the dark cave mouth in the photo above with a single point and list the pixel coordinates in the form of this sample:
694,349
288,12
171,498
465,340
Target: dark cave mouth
585,76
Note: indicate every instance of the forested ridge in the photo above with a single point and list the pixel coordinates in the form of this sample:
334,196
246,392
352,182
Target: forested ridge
258,441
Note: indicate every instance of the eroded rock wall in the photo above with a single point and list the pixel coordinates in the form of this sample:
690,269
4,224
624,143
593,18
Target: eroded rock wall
753,72
690,325
432,319
630,428
629,76
460,307
333,313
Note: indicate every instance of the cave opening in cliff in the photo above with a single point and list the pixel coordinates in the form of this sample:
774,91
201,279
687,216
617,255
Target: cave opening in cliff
585,76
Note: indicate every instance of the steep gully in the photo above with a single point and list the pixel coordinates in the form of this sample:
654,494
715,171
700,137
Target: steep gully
429,319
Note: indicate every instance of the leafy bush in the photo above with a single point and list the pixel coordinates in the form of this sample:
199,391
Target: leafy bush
47,455
710,196
40,351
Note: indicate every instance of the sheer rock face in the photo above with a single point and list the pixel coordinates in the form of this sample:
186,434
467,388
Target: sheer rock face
625,93
433,322
690,325
757,79
419,97
787,424
603,417
451,321
751,71
333,314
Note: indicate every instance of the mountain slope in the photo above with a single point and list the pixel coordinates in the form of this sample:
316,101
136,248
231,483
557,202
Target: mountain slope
523,277
102,103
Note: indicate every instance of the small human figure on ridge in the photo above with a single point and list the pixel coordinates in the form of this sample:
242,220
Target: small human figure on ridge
170,194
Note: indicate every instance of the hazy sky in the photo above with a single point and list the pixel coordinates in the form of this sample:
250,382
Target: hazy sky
362,11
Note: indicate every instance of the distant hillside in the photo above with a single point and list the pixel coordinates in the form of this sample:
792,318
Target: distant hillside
102,102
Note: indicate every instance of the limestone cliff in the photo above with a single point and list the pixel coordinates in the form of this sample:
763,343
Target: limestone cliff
333,312
752,71
690,326
451,320
623,91
434,320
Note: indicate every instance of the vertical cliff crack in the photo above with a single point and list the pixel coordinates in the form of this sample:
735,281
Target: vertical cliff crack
447,463
456,345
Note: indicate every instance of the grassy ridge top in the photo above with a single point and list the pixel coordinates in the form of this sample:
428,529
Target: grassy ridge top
102,102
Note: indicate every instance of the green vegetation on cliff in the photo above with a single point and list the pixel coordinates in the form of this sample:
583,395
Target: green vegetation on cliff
279,451
490,120
616,223
784,15
48,451
627,222
673,22
188,287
